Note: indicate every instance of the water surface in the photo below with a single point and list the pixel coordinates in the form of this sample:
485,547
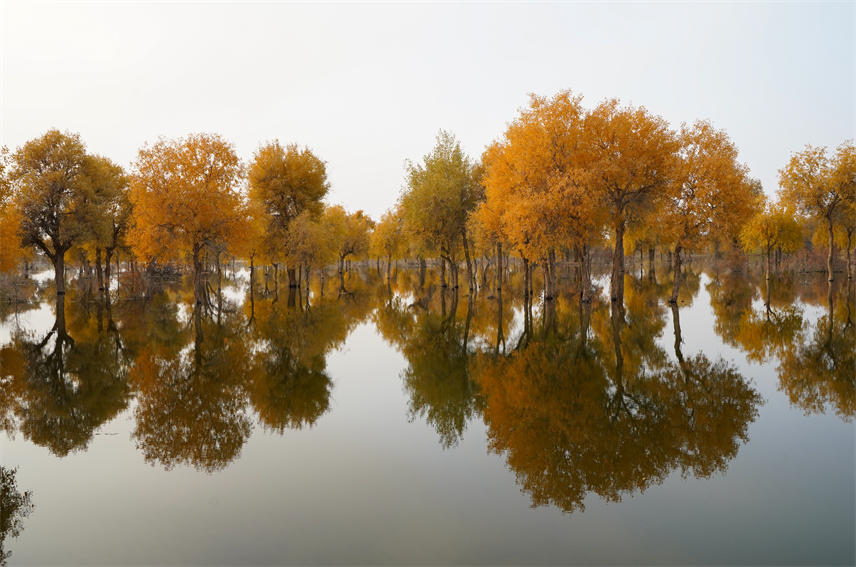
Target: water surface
403,423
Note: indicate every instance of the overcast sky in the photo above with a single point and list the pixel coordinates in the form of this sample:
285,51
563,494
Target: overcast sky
367,86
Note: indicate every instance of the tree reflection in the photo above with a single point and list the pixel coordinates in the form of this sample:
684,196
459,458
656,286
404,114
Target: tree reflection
14,507
819,372
66,388
433,334
192,403
611,414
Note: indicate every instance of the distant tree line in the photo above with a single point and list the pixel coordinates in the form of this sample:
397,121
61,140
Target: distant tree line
560,182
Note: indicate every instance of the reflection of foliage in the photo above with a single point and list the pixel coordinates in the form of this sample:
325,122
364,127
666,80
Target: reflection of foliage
610,415
819,371
434,340
67,388
14,507
191,406
290,387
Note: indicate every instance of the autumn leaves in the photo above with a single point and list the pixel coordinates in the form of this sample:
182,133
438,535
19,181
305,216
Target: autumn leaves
561,180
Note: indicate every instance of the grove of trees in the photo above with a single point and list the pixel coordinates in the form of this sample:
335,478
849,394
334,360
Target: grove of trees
561,183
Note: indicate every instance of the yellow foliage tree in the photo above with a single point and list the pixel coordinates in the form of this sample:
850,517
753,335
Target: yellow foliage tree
772,227
186,198
821,187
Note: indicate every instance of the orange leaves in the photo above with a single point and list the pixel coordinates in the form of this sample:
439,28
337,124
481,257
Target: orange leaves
185,196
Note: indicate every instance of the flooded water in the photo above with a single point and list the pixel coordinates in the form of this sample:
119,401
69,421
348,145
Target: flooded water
408,424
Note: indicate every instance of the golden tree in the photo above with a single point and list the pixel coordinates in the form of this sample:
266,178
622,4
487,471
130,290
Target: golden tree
821,187
536,185
52,189
441,192
186,198
286,181
630,158
772,227
710,190
387,239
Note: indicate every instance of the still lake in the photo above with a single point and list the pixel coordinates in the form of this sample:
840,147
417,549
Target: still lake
404,423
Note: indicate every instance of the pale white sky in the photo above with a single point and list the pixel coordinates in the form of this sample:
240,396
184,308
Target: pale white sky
369,85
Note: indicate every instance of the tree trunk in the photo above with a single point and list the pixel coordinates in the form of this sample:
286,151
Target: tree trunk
470,279
498,266
442,272
650,260
550,276
98,272
831,250
292,277
769,261
108,255
422,268
526,276
197,279
388,267
676,285
59,272
617,286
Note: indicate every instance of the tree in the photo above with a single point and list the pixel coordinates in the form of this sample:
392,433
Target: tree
388,239
535,184
821,187
349,234
14,507
630,160
287,182
185,198
710,186
11,253
441,192
107,213
772,227
308,244
52,190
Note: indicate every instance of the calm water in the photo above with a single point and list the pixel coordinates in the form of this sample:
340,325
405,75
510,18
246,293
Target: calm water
404,424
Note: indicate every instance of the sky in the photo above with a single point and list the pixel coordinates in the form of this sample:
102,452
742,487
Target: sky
368,86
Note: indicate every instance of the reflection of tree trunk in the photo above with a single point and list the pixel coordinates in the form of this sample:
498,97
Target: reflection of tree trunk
677,274
292,276
829,301
585,322
422,269
442,272
676,321
549,317
767,298
292,296
617,323
500,337
388,267
467,323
